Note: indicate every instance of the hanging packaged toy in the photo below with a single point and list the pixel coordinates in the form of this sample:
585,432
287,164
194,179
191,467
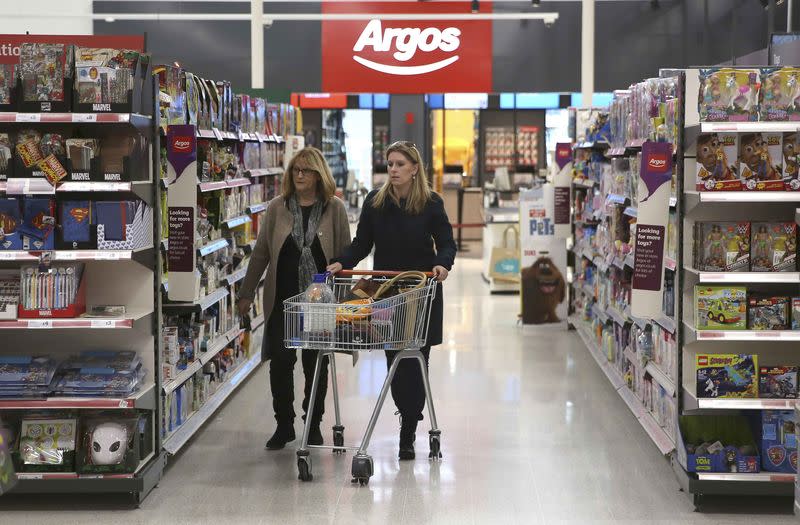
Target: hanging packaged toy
780,94
728,95
717,162
761,161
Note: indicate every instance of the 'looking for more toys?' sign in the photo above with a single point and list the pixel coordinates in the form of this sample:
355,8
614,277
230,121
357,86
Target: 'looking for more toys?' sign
406,56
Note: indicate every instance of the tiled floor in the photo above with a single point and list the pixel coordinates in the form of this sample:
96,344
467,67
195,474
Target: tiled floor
532,433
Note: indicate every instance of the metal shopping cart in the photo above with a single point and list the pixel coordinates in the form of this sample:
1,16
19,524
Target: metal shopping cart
395,318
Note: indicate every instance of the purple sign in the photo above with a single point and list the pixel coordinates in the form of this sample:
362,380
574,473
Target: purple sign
648,257
563,154
656,167
180,255
181,147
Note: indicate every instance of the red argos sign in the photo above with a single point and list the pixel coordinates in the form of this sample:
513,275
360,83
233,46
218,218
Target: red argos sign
406,56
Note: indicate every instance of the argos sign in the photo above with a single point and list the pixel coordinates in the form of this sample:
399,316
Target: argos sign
412,56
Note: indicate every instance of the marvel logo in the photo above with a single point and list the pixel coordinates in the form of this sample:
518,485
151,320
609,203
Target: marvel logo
101,107
182,144
406,42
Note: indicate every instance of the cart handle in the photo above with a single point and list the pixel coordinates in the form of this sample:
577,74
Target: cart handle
376,273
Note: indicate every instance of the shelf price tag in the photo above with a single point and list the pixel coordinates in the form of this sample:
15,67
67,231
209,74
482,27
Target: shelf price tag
66,255
84,117
126,403
103,323
28,117
217,133
40,323
8,256
106,256
259,137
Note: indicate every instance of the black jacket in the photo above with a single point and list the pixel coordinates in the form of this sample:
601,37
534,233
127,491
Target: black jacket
404,241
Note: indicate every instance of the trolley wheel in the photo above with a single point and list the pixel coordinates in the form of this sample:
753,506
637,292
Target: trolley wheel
338,439
362,469
435,445
304,468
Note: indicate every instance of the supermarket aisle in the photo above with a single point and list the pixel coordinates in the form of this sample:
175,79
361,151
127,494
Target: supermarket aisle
532,433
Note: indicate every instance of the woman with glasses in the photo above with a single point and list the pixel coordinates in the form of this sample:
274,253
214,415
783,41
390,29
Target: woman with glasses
302,229
407,224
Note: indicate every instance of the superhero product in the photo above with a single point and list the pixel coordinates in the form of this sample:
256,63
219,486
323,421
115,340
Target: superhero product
795,313
728,94
774,247
791,149
104,76
720,307
45,71
38,223
75,221
717,167
722,246
726,375
10,220
6,148
761,161
778,441
768,313
7,84
780,94
777,382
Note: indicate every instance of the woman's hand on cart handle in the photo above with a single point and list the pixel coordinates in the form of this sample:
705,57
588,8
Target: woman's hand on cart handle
440,273
334,268
244,306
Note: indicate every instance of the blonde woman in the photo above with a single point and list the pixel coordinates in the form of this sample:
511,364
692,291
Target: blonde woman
301,230
407,224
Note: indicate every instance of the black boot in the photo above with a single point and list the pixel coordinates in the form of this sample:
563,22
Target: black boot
314,433
408,429
284,433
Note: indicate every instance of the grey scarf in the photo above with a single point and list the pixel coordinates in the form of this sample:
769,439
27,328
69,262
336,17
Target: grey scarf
308,267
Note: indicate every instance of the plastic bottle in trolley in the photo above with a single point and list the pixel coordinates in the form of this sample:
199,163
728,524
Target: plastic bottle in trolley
319,322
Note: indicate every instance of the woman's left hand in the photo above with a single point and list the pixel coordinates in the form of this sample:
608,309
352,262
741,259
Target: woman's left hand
440,273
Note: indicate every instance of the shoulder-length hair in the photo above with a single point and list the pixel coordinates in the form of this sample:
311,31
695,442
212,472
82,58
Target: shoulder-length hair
420,191
313,158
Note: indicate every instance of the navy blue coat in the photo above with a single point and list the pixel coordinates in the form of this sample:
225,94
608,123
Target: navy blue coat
404,241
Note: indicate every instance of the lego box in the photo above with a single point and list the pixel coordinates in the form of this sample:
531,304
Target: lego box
795,313
777,382
722,246
720,307
774,247
761,161
717,168
768,313
727,376
778,441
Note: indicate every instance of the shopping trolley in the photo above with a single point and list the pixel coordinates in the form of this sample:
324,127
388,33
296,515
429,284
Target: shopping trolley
398,322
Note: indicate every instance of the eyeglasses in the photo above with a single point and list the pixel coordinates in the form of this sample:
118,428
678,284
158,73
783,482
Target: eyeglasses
305,172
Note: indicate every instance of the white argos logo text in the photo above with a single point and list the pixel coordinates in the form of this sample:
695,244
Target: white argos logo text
407,41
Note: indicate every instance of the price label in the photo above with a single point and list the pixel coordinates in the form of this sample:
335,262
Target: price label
67,256
217,133
124,403
40,323
28,117
84,117
8,256
103,323
241,136
107,256
260,137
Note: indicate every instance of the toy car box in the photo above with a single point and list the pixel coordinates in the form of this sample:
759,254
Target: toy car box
778,441
713,443
768,313
720,307
777,382
726,376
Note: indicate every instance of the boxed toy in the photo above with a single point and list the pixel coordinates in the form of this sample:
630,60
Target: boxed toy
720,307
779,441
791,174
106,77
768,313
111,444
717,165
38,224
728,94
6,155
47,445
727,375
779,94
795,313
722,246
777,382
774,247
711,443
761,161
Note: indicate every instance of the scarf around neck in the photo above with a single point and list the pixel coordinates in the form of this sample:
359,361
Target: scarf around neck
304,240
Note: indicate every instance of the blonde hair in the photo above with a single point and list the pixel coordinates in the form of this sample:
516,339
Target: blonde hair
420,192
312,157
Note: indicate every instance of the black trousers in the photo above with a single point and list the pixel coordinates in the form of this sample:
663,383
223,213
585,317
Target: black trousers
281,376
408,390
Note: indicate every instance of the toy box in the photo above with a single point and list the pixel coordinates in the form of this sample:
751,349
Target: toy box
722,246
720,307
777,382
711,443
779,94
111,444
728,94
47,445
795,313
768,313
761,161
774,247
727,375
717,167
778,441
791,173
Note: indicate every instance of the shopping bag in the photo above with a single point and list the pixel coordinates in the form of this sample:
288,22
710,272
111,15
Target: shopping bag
504,263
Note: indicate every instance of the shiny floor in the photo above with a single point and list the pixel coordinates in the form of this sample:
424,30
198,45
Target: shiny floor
532,433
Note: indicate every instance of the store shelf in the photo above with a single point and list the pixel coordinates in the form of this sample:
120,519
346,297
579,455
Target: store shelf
635,143
667,323
181,436
599,145
631,355
659,436
613,376
76,118
629,260
213,246
264,172
74,255
734,484
670,263
631,211
744,196
746,277
212,186
236,276
612,198
235,183
145,399
204,302
638,321
237,221
584,183
770,477
748,127
692,402
28,186
618,262
257,208
661,377
214,348
617,316
258,321
95,323
692,334
600,313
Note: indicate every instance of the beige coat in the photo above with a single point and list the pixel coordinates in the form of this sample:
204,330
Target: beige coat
334,237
